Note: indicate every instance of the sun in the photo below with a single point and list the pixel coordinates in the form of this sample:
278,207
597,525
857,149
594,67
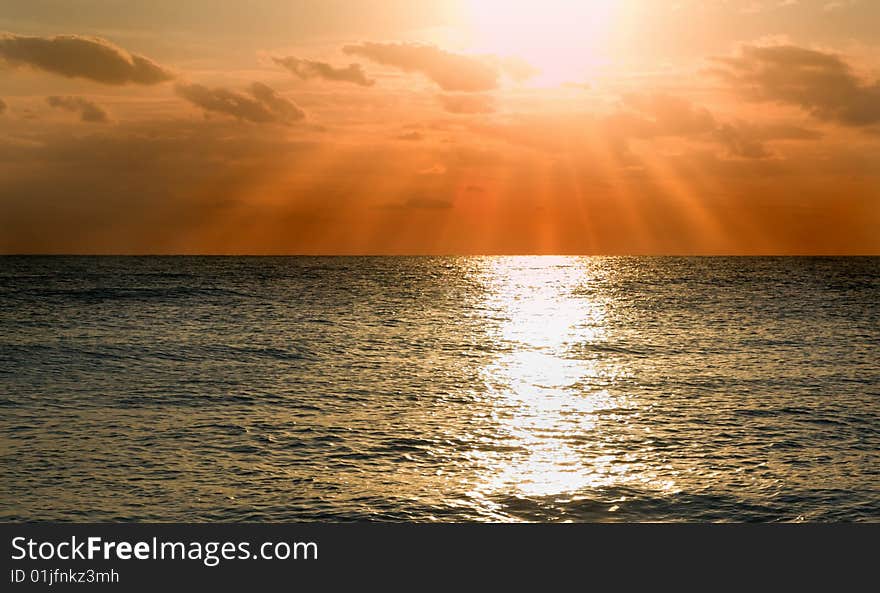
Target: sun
566,40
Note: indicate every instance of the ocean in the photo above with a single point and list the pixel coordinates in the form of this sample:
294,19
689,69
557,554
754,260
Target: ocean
450,389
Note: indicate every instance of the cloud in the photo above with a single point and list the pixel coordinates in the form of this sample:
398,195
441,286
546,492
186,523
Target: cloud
467,104
411,136
659,115
452,72
673,116
739,142
838,5
287,110
753,8
820,83
435,169
2,106
74,56
264,105
308,69
87,110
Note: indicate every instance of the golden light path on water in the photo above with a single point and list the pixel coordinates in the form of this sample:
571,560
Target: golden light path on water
553,401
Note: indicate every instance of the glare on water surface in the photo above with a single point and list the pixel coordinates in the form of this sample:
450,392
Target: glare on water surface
546,393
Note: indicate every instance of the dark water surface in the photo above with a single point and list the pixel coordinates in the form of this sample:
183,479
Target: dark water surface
439,389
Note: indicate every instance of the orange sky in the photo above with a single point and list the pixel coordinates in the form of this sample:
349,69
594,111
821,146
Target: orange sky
440,127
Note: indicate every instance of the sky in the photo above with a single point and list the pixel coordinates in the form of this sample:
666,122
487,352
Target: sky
440,127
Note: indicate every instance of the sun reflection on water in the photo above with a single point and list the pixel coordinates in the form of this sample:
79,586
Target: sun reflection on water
550,386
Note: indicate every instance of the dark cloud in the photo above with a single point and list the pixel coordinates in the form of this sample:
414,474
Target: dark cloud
87,110
747,140
452,72
659,115
308,69
785,132
818,82
264,105
411,136
467,104
2,106
81,57
671,116
285,109
739,142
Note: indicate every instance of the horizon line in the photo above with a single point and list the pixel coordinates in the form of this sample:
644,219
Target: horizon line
426,255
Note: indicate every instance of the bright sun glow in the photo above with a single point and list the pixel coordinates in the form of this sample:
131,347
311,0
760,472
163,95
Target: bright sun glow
564,39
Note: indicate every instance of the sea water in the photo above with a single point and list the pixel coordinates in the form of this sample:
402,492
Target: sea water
439,389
